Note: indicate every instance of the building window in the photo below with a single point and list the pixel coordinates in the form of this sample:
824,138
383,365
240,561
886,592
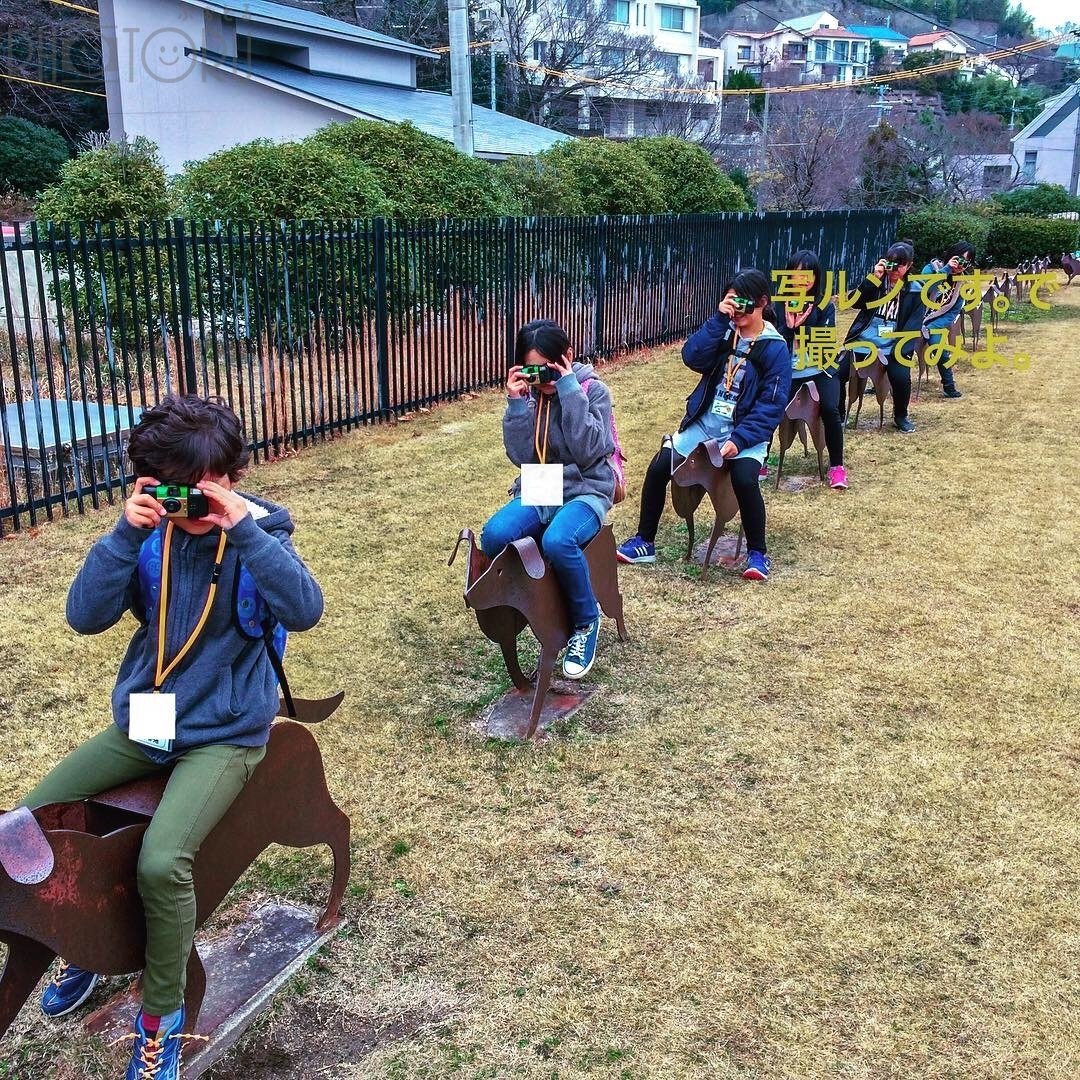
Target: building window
821,51
795,51
840,56
618,11
1030,158
672,64
539,52
612,57
856,52
672,18
706,71
744,52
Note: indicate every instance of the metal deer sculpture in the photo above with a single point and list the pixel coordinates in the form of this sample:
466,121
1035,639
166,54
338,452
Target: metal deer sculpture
68,870
1071,265
704,473
857,379
518,588
802,415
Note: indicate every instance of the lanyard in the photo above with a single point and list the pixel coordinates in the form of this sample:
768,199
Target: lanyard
730,372
163,670
541,454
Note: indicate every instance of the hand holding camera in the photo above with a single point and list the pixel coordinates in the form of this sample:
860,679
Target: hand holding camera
142,509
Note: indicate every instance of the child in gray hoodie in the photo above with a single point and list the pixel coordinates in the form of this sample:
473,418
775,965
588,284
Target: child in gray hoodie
566,423
192,692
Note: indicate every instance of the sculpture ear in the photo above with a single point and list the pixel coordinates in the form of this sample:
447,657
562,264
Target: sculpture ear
25,852
530,556
713,448
466,535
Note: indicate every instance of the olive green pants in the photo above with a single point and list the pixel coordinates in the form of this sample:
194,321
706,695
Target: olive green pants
203,785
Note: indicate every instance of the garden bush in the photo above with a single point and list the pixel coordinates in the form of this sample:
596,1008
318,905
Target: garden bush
692,184
1040,199
606,177
933,229
30,156
1014,239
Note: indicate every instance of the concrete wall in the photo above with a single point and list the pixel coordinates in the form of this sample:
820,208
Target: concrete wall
1054,164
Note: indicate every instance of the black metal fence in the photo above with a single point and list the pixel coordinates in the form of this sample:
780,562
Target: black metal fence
309,329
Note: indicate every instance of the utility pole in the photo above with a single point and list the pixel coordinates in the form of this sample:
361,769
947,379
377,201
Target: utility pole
461,76
491,55
1074,182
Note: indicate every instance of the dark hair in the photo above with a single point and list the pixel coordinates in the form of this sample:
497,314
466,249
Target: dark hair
181,439
902,251
546,336
752,284
964,248
808,260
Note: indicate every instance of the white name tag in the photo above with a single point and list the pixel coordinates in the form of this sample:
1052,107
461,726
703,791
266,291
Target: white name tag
541,485
724,408
152,720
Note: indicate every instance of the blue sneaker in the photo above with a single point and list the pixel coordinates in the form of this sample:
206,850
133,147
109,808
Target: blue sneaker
581,650
758,566
69,988
156,1055
636,550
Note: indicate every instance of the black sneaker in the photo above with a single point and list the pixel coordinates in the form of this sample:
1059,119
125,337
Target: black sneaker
905,425
951,392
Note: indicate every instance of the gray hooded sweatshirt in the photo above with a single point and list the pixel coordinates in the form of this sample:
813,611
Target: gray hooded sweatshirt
579,439
226,690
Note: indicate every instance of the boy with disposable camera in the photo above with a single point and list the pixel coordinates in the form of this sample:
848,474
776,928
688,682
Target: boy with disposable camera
193,693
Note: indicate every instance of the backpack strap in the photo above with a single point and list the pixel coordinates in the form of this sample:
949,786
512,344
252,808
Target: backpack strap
150,574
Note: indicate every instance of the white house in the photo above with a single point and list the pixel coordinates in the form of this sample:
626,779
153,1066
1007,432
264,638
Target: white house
836,54
892,42
684,59
942,41
197,76
1045,150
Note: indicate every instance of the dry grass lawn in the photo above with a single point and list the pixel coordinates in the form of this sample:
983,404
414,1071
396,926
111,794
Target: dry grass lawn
823,827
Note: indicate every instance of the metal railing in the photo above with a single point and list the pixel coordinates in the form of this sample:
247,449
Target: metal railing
310,329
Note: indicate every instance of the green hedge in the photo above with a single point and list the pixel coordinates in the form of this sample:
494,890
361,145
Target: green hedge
1014,239
934,229
121,181
31,156
421,175
1040,199
266,181
692,184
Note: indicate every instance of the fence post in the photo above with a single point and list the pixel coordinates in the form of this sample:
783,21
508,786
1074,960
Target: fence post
191,377
382,348
599,282
509,224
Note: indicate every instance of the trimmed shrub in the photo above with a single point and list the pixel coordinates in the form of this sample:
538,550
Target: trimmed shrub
1040,199
541,186
30,156
691,181
267,181
423,177
121,181
933,229
606,178
1014,239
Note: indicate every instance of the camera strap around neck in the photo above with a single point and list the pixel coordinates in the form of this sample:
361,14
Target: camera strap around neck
541,452
163,670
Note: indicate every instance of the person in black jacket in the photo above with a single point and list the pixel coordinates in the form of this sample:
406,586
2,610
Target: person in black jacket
897,310
944,302
745,369
800,324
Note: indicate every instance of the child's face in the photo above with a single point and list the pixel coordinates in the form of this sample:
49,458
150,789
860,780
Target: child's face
196,526
742,320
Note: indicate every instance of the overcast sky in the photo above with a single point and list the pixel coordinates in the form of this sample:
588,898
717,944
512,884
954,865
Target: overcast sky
1050,13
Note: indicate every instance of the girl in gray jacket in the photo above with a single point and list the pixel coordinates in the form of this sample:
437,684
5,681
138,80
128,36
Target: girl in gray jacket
563,422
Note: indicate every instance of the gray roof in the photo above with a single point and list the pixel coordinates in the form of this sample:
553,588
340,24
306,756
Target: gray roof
1055,110
494,134
271,14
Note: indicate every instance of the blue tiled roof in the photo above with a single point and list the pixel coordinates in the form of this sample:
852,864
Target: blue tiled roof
312,22
1068,50
878,33
494,133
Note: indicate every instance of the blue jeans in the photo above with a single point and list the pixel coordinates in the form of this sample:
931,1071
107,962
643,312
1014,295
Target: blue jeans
572,527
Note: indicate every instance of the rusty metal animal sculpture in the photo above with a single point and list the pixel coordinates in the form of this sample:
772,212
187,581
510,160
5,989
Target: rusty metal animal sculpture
1071,265
68,870
704,473
802,415
518,588
857,379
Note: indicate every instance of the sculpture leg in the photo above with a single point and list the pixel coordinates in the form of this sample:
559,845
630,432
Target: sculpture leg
738,543
195,991
689,537
717,529
780,464
338,840
543,682
27,961
510,658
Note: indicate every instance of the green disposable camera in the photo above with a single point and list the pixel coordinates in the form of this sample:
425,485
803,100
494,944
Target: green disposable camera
538,374
891,264
743,305
180,501
962,263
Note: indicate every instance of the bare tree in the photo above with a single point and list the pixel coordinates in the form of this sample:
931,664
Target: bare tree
811,156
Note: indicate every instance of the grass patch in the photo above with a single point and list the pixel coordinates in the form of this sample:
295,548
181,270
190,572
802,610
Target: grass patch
820,828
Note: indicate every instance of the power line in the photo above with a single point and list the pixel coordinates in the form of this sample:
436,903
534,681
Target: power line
74,7
51,86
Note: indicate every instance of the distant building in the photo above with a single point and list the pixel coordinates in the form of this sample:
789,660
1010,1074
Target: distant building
942,41
893,43
197,76
1045,150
